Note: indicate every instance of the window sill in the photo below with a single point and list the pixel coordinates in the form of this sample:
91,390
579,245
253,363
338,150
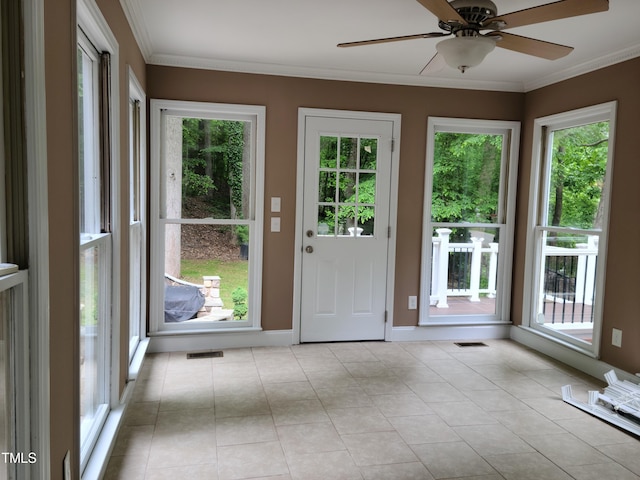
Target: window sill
205,331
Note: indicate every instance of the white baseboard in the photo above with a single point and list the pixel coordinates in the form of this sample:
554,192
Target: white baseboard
585,363
101,453
220,340
449,332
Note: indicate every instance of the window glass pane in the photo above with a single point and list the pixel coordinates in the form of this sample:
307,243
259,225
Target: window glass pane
88,144
207,168
91,358
348,152
464,271
466,177
578,166
134,158
328,152
568,284
206,273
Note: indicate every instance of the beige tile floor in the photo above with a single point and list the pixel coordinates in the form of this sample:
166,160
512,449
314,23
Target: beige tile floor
388,411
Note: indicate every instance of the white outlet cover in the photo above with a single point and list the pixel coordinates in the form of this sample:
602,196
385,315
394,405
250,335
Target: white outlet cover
616,337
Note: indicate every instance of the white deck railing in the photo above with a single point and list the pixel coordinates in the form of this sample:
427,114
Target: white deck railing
477,265
475,253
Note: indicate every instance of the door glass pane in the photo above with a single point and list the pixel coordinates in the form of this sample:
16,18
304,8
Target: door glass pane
207,168
206,273
578,167
327,187
328,152
354,180
347,187
348,152
368,153
466,177
326,220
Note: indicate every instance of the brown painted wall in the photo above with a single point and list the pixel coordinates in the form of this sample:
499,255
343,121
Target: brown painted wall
620,82
60,68
60,41
282,97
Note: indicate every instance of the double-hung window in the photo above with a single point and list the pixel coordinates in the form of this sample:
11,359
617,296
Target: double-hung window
98,175
137,217
206,216
567,237
468,226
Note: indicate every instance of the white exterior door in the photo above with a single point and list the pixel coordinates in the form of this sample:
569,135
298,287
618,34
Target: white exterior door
347,178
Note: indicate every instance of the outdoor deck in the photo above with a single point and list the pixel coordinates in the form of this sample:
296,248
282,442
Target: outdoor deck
574,319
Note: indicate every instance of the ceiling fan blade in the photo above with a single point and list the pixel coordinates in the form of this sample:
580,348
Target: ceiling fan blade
530,46
443,10
548,12
393,39
434,65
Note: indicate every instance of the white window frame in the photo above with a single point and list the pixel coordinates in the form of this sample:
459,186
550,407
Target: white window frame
96,28
509,175
137,227
255,114
537,194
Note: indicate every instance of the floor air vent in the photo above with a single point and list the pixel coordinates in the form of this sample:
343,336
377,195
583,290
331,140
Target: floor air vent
471,344
205,354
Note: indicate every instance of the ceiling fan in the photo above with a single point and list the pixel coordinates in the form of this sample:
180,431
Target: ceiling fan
465,19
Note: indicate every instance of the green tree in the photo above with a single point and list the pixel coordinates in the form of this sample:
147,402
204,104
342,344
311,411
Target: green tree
214,164
466,177
578,168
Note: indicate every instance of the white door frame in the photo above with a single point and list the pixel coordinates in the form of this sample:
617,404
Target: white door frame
395,118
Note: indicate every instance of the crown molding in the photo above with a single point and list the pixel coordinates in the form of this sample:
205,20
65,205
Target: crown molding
135,17
331,74
582,68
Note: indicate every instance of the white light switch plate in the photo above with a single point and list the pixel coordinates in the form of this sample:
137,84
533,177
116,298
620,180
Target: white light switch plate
275,224
275,204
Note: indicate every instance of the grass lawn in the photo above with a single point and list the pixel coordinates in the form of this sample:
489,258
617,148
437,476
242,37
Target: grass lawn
232,273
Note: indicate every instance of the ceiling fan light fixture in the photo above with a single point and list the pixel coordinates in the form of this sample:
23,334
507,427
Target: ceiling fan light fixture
465,52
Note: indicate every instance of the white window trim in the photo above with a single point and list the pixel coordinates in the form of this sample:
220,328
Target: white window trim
509,168
136,92
573,118
95,26
257,115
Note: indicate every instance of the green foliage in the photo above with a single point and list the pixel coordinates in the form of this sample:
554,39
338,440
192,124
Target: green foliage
232,273
239,297
466,177
212,161
341,185
578,169
242,234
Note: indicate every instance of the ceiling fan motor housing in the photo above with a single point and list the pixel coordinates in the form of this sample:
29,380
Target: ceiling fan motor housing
475,12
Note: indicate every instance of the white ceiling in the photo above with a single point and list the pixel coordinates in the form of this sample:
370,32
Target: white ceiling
299,37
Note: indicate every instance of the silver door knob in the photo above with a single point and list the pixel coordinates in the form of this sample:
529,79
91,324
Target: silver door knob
309,233
309,249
